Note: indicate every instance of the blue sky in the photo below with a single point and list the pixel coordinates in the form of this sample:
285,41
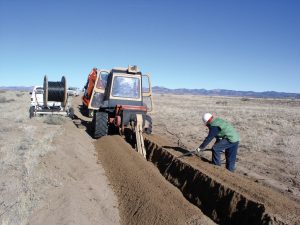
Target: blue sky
241,45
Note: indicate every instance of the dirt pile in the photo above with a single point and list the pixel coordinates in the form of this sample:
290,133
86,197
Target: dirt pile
225,197
81,194
145,197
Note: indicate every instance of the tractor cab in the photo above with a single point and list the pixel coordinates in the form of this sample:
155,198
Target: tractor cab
125,87
117,97
119,86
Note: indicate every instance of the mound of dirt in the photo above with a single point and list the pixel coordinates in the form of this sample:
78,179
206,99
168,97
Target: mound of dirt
145,197
81,194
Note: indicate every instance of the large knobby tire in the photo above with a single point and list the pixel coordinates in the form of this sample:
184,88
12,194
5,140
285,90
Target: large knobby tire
100,124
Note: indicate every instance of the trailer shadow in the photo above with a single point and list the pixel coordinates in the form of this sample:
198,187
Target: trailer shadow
83,124
81,121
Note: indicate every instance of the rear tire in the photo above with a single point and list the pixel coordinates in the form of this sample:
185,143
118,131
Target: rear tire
100,124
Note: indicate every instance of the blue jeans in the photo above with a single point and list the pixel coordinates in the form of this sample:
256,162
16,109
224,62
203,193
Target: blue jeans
230,153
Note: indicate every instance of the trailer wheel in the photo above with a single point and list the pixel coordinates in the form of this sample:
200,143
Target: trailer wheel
100,124
147,124
31,111
71,113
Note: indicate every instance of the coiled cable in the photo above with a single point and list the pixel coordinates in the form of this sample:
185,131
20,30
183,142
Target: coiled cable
55,91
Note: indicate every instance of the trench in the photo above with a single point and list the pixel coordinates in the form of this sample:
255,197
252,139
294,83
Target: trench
223,203
144,196
221,196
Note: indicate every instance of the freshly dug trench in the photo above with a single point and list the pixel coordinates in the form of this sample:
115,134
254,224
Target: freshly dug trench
144,196
225,197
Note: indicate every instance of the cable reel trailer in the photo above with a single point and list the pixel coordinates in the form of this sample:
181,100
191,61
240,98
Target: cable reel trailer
51,99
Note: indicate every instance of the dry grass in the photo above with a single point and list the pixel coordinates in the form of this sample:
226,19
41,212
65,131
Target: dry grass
54,120
20,94
23,142
5,100
269,129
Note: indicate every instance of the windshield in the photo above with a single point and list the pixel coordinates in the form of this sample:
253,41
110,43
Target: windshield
126,87
39,90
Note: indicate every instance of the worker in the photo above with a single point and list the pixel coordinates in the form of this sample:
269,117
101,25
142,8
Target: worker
227,138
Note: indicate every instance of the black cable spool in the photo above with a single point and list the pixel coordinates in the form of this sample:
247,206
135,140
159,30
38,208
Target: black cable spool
55,91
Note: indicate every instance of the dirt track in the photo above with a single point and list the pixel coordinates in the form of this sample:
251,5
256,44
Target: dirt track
145,197
81,194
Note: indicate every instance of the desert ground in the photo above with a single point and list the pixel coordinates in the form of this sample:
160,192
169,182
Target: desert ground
53,172
269,129
48,170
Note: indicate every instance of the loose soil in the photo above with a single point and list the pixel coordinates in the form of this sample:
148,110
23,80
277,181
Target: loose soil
82,194
48,170
226,197
145,197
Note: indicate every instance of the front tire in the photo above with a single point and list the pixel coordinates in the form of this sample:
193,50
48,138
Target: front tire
100,124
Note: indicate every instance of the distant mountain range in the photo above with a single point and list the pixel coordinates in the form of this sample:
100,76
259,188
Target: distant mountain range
16,88
185,91
223,92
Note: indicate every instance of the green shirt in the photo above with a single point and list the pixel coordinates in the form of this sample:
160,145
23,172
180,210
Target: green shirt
227,130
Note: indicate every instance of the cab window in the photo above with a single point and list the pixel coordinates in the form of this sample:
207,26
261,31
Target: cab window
126,87
102,81
39,91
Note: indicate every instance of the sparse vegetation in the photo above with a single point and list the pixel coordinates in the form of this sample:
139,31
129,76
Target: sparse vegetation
245,99
5,100
24,146
54,120
269,130
20,94
4,129
221,102
2,91
19,120
22,143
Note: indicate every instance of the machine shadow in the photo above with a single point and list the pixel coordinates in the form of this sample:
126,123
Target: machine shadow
185,152
81,121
